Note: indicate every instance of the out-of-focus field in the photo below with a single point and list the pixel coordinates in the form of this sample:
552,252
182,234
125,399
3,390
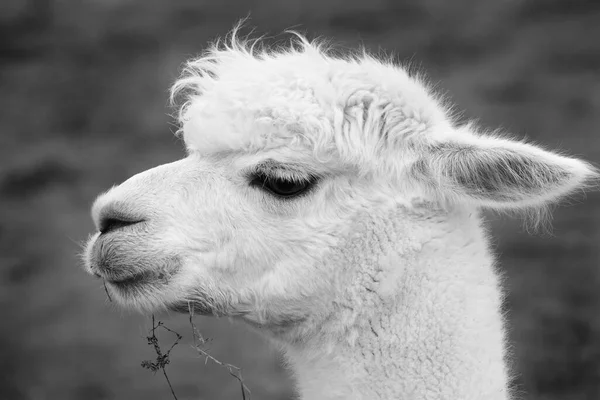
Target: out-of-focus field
83,105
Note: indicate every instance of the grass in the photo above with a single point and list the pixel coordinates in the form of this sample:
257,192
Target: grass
199,345
83,107
162,359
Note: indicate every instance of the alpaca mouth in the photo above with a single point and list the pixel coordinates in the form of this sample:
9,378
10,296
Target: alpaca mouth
129,281
136,279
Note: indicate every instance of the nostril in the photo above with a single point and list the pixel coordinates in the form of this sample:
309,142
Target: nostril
111,224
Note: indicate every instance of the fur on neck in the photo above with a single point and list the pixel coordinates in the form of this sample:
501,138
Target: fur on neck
414,314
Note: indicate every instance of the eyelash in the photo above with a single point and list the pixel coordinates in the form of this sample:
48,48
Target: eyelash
276,185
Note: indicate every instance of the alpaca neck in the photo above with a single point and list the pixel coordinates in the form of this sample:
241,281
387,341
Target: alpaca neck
416,316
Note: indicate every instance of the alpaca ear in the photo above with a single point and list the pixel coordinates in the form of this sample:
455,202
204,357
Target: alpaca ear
500,173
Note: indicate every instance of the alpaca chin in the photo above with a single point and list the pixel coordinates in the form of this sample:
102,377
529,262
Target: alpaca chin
196,307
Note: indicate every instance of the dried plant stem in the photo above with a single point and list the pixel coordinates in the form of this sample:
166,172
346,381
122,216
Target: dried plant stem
169,382
200,341
162,359
107,292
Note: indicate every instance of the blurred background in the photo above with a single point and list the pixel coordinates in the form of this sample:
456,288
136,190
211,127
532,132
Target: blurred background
83,105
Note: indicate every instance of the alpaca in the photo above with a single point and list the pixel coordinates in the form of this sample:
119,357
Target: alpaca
332,203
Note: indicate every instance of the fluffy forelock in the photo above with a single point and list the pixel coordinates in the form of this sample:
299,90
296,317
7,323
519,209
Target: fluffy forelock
242,95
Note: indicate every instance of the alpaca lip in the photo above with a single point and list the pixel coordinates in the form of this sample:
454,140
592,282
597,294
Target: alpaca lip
130,280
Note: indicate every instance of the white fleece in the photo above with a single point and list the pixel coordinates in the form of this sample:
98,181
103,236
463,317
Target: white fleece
377,282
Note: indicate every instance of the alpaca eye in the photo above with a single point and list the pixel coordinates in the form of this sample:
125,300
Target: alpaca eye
281,187
284,187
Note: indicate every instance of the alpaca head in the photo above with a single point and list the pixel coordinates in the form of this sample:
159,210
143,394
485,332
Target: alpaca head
287,149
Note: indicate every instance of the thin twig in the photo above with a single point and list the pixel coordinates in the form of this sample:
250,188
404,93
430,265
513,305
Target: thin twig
234,371
106,290
169,382
162,359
